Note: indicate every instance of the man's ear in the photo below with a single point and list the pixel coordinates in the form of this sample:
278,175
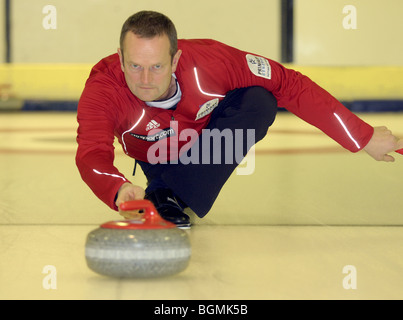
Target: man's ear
122,65
175,60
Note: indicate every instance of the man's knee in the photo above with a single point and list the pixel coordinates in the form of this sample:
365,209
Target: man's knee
262,106
262,102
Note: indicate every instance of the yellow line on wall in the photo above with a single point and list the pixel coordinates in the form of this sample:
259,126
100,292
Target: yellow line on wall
46,81
350,83
66,81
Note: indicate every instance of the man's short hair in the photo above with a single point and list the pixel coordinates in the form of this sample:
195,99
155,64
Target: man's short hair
148,24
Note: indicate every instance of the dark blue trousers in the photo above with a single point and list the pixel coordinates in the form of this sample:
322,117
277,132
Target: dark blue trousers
198,184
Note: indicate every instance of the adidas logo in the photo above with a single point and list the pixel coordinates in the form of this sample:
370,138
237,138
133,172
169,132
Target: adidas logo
172,200
152,125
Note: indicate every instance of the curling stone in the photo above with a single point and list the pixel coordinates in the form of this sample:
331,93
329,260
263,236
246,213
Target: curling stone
150,247
400,151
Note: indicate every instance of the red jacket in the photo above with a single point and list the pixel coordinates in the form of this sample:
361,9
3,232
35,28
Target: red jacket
207,70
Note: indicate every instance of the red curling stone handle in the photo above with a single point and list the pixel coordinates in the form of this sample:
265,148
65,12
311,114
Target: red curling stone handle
151,218
400,151
149,209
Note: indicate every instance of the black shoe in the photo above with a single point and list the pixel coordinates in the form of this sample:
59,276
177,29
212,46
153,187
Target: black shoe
168,207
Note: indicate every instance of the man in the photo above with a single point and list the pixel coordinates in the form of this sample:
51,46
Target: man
162,98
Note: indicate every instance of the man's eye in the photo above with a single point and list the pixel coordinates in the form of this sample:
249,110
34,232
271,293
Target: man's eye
157,66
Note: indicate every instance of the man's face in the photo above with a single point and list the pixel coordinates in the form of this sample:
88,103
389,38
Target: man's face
148,66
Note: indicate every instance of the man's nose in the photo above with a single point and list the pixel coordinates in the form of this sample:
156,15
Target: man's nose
145,76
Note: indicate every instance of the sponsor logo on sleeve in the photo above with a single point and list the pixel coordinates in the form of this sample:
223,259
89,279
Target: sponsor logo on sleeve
259,66
207,108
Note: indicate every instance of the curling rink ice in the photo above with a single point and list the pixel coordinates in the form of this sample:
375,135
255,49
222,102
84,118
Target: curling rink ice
312,222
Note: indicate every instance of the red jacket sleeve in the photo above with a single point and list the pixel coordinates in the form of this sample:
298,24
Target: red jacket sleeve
95,137
299,95
303,97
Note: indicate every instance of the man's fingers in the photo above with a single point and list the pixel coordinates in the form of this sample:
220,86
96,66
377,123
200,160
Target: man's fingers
382,143
129,192
388,158
131,214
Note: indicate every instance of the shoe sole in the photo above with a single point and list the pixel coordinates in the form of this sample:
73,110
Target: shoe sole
184,226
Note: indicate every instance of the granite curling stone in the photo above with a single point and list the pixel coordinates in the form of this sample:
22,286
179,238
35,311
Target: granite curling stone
150,247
